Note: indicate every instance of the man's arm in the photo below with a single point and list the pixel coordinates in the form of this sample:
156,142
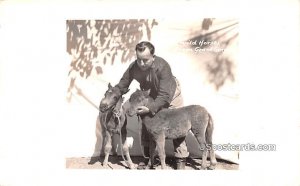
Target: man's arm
125,81
166,90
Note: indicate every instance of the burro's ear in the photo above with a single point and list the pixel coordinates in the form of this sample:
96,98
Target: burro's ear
109,86
137,90
125,91
147,92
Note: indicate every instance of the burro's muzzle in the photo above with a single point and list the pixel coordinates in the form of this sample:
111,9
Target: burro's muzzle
104,106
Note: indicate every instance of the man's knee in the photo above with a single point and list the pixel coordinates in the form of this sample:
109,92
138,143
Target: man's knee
180,149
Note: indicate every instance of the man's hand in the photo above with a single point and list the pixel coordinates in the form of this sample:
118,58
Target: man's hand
142,110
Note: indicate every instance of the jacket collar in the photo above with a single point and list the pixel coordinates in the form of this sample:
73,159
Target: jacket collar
154,64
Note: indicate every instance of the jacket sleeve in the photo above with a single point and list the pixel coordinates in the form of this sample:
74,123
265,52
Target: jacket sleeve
125,81
166,90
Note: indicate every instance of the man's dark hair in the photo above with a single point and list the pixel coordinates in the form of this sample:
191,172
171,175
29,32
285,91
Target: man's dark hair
142,46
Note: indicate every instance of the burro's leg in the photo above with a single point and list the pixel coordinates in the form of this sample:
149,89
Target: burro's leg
152,146
202,142
125,149
107,147
145,142
200,123
99,143
160,143
213,160
209,132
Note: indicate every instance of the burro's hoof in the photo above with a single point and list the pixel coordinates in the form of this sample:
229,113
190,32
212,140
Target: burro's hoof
93,160
203,168
105,165
150,167
131,166
211,167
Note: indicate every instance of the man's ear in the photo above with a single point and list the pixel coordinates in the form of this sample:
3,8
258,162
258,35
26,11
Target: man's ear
109,86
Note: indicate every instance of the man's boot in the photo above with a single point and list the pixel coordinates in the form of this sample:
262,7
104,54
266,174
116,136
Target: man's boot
94,160
180,163
142,165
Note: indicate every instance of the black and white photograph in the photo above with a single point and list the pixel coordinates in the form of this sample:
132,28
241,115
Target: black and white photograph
184,92
185,68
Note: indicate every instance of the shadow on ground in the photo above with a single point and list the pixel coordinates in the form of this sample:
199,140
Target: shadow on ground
116,162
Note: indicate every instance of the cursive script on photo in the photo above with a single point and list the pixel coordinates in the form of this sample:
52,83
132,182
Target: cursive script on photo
198,46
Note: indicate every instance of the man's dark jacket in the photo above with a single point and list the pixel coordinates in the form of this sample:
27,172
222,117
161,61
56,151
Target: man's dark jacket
158,78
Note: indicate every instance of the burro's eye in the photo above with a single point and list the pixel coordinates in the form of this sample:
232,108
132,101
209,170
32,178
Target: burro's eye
115,98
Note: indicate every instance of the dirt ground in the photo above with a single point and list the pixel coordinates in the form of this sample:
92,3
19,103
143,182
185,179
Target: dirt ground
116,162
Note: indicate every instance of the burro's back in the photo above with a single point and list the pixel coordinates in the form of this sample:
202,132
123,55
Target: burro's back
190,112
176,123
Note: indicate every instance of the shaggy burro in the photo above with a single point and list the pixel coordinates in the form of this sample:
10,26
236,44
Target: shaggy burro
114,121
174,124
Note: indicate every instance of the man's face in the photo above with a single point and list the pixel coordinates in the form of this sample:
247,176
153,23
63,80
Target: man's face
144,59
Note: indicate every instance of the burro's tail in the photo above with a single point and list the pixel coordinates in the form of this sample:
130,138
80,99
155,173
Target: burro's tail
209,130
208,135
